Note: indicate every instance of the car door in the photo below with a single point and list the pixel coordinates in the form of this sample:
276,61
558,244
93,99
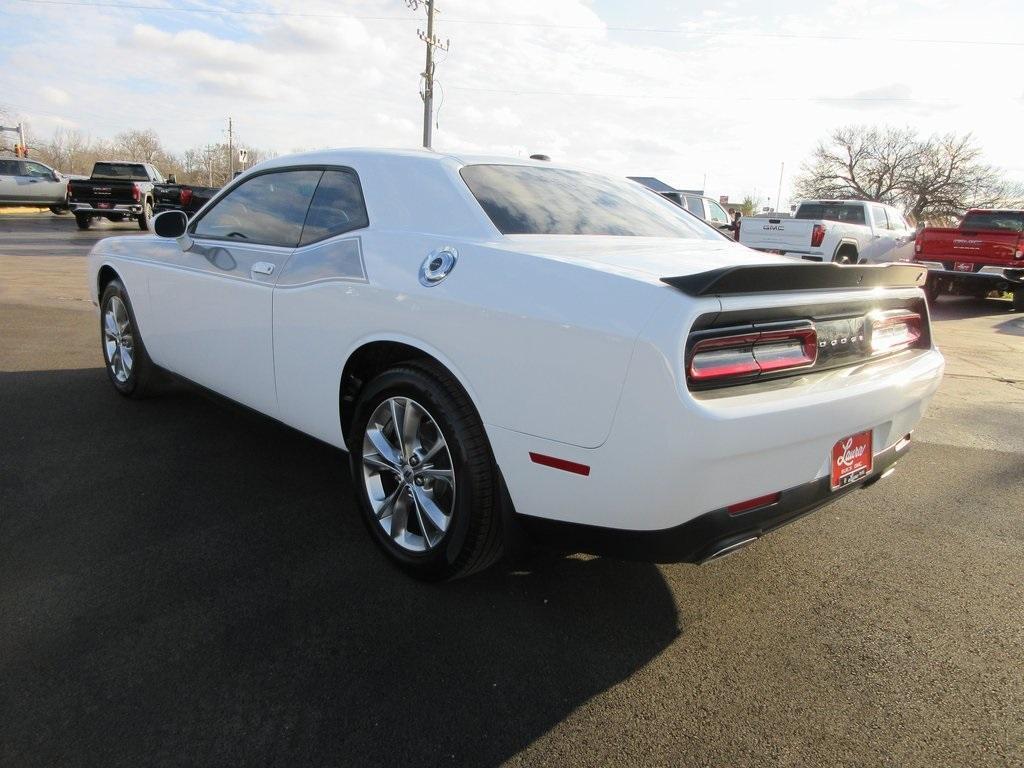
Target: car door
903,236
718,218
43,185
9,172
211,305
312,296
880,241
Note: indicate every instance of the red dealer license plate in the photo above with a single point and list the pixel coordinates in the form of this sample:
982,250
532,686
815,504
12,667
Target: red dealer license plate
963,266
104,205
851,459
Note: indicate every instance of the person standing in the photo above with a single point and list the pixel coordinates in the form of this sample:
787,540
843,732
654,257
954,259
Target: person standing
736,216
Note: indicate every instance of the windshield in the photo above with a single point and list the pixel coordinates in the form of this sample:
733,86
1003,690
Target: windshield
852,213
1012,221
126,171
523,200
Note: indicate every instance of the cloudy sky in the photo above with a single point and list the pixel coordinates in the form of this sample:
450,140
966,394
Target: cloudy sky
685,91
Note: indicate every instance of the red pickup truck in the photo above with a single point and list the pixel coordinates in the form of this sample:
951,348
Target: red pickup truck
984,254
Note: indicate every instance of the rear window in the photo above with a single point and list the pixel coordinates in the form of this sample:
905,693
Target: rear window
850,213
523,200
1012,221
126,171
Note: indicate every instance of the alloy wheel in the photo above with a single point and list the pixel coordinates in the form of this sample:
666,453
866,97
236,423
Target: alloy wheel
408,473
118,339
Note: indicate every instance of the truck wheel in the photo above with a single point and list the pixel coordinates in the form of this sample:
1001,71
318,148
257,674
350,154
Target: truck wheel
1018,299
424,476
145,216
58,210
846,256
128,365
83,221
932,289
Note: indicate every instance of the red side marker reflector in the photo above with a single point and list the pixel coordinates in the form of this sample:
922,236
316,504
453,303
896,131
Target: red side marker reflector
556,463
749,504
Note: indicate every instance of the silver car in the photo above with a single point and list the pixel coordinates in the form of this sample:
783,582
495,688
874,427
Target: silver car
29,182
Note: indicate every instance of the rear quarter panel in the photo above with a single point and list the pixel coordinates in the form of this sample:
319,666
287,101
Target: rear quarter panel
541,346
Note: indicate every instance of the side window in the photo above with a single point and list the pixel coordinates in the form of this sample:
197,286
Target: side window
695,205
37,171
337,207
268,209
718,214
9,168
878,217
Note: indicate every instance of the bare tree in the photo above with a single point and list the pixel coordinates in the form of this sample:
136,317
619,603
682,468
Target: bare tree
140,147
934,177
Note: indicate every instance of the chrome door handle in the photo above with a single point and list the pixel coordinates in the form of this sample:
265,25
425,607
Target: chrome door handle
262,268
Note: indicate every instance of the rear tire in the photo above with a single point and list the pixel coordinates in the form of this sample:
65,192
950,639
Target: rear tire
83,222
932,291
405,504
128,365
58,210
145,216
846,256
1018,299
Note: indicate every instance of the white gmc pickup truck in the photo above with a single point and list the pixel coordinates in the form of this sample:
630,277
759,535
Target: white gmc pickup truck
844,231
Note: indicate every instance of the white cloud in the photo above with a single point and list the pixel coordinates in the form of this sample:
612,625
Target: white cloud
718,98
54,95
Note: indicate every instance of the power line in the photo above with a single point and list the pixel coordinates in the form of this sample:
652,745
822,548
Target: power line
536,25
675,97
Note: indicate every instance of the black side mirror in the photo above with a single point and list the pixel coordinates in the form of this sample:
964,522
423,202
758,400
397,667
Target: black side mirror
170,223
171,180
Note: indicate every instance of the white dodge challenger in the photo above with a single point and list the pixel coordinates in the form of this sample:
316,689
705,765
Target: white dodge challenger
504,345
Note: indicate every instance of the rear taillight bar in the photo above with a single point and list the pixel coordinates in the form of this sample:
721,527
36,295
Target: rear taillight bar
136,192
817,235
751,354
185,195
894,330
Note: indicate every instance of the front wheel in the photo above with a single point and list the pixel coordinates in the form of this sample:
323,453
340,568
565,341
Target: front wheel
425,479
83,221
128,365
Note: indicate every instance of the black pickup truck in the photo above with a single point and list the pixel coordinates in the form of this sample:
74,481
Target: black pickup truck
181,197
117,191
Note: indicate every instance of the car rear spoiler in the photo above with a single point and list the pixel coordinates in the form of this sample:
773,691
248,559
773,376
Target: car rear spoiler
776,278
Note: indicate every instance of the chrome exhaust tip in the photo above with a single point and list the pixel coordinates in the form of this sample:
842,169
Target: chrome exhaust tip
728,547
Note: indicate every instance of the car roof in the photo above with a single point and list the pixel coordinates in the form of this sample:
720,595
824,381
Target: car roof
344,155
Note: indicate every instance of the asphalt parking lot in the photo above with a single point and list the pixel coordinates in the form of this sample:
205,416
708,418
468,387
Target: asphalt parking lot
186,583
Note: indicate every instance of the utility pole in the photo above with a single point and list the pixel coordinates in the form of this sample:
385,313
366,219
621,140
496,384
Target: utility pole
21,135
231,151
778,197
432,42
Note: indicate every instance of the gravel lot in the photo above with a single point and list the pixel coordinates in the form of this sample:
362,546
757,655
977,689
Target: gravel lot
185,583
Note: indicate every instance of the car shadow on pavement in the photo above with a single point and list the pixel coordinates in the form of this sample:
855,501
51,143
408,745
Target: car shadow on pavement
183,582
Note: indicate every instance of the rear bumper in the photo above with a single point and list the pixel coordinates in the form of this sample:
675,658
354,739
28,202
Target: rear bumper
122,208
989,276
710,535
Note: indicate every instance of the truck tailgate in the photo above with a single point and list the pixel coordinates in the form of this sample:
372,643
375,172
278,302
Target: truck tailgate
785,235
978,248
103,191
